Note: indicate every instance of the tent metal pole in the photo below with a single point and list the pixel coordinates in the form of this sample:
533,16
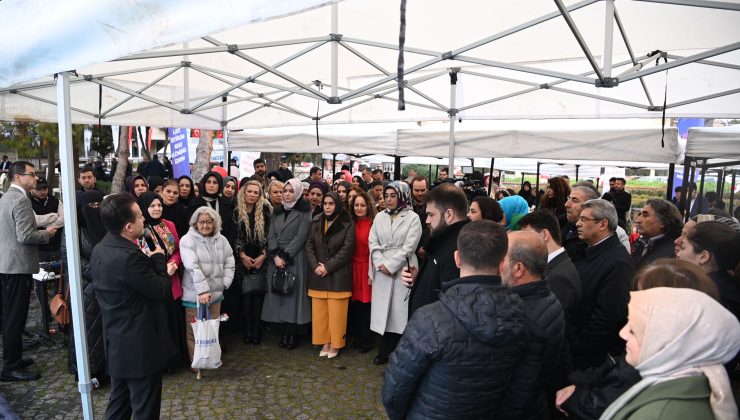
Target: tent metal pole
453,116
186,79
707,62
608,38
537,188
218,95
67,162
304,92
685,190
732,192
669,188
579,38
334,49
690,59
578,167
396,168
256,109
720,183
490,177
703,98
152,83
525,69
333,165
521,184
631,53
138,95
700,197
50,102
700,3
225,131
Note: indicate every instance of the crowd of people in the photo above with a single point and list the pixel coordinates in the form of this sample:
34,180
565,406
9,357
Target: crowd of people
509,305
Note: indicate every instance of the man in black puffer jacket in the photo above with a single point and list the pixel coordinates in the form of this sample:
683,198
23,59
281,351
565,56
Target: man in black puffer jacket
457,356
522,271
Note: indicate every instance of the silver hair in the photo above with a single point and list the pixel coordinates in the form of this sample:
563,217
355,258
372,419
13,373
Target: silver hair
211,213
589,192
602,210
533,258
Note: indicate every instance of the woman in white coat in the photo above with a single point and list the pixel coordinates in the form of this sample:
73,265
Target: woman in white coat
209,267
393,239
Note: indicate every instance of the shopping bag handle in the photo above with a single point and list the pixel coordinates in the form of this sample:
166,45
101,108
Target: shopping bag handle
207,313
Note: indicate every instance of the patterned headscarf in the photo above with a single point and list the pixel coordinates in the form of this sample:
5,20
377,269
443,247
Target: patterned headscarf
297,193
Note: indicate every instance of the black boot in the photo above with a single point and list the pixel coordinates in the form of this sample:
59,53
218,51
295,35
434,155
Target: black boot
292,343
283,341
256,333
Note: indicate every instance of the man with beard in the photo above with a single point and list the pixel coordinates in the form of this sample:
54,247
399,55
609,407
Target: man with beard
260,169
621,199
446,214
419,188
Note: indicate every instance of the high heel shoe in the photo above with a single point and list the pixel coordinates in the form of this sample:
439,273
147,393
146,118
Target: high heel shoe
332,355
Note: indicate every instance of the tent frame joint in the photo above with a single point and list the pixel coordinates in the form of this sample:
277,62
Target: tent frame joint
607,82
655,108
447,55
87,77
334,100
87,387
232,48
545,86
335,37
453,112
185,111
185,63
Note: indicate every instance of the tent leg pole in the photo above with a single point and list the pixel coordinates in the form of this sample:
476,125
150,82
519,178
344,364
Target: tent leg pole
333,166
608,38
521,184
453,115
701,186
669,188
334,50
225,131
66,155
537,189
732,192
490,177
720,183
578,167
685,190
396,168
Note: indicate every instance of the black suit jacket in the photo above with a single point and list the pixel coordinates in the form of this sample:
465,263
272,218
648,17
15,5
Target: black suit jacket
132,290
562,277
662,248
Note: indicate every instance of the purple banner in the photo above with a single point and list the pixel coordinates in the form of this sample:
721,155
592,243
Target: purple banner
179,151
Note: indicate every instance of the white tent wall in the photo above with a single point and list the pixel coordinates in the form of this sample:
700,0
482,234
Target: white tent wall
711,143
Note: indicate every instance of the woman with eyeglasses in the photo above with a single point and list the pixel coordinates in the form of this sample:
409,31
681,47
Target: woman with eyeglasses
394,235
208,263
90,232
162,233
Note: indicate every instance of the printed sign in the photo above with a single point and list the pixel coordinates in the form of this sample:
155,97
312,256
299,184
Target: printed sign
179,151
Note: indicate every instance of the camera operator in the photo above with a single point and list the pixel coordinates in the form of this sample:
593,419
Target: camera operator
473,185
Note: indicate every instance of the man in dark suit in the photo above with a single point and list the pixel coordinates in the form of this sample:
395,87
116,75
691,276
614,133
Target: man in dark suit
5,165
132,287
659,224
18,261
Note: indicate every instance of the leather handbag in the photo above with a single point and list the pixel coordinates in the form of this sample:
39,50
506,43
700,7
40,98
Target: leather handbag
59,305
254,282
283,282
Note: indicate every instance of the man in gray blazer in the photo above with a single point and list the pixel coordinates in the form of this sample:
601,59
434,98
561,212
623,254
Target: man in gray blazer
18,261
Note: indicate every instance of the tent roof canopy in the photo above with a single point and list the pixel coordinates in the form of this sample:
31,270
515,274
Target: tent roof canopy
718,144
284,63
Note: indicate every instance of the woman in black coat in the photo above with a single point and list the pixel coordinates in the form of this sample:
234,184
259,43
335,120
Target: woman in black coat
90,232
329,250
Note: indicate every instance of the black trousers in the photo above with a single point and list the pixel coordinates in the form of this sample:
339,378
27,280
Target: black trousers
388,343
16,294
360,316
252,307
140,396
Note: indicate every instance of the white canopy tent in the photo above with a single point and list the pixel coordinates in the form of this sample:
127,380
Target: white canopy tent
227,64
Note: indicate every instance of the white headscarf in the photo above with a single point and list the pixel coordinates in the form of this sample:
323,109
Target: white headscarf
684,333
297,193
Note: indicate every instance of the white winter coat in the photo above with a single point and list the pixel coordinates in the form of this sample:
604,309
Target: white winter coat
208,265
390,244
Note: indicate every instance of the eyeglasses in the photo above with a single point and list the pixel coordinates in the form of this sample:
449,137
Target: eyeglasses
586,219
205,222
33,174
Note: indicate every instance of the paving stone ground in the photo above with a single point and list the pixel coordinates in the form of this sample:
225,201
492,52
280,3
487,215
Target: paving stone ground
254,382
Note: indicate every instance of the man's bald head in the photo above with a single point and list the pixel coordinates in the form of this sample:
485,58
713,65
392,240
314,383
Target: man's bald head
526,259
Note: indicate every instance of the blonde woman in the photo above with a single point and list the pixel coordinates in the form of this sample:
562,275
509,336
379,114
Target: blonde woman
275,193
252,217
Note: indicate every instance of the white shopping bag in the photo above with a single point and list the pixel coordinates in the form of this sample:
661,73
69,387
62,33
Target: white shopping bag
207,353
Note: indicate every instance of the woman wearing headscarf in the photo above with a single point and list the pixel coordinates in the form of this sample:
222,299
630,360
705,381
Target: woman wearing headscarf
187,190
363,213
230,189
253,220
514,207
526,193
155,183
286,243
316,192
172,208
678,339
90,232
329,250
136,186
393,239
208,263
162,233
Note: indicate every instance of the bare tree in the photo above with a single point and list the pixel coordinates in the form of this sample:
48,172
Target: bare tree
202,155
123,154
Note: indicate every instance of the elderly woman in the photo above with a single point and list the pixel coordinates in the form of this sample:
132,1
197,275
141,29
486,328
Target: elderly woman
286,244
209,267
253,220
715,248
678,340
275,193
394,235
329,250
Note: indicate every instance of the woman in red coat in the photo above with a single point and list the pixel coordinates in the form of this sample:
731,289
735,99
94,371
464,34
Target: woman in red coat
362,209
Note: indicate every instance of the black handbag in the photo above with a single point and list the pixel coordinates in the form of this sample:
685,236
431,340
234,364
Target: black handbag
254,282
283,282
